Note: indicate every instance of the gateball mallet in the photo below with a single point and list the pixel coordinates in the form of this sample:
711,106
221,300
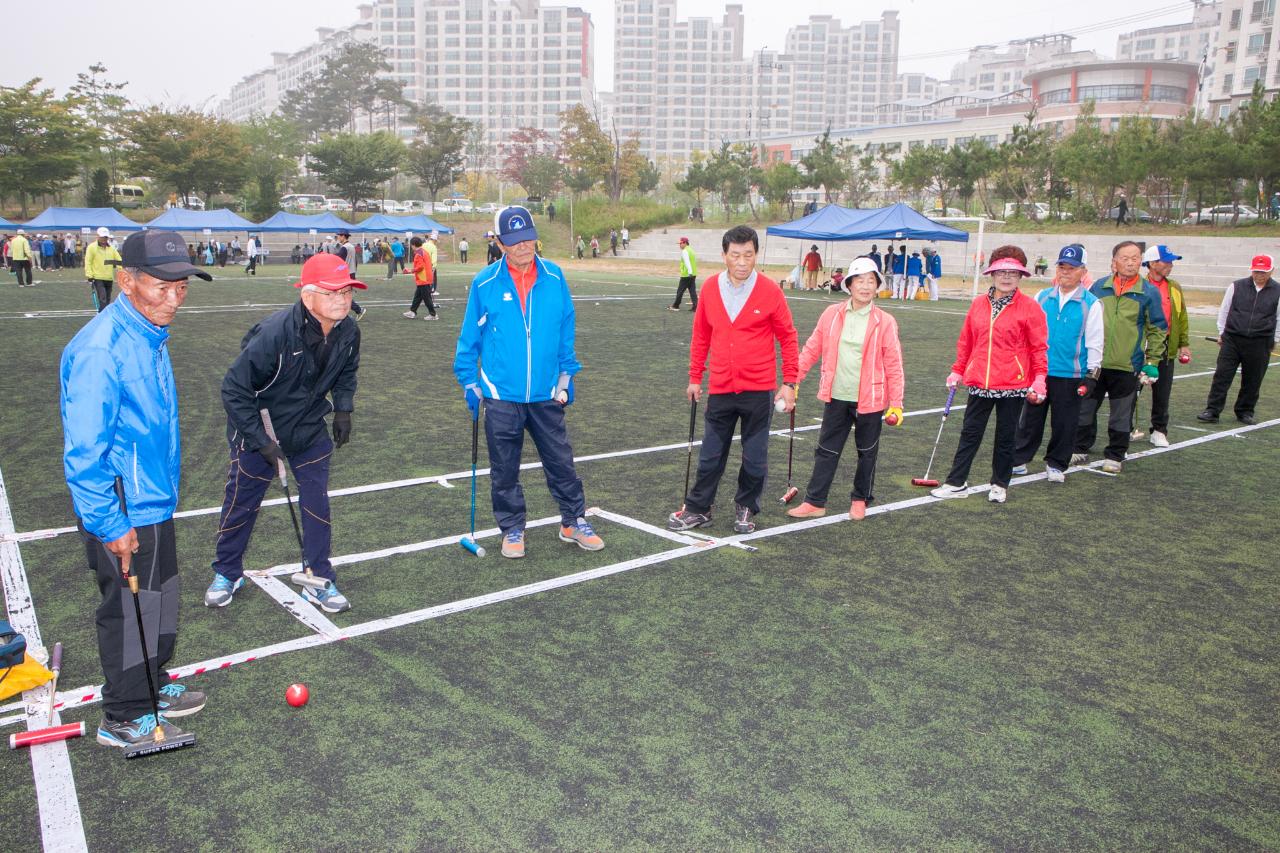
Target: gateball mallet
927,481
49,734
305,577
790,494
469,543
688,461
158,743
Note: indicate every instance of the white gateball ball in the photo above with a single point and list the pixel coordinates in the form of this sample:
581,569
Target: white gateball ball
779,405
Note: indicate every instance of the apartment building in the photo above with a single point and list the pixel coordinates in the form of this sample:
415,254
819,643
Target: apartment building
1187,42
1245,53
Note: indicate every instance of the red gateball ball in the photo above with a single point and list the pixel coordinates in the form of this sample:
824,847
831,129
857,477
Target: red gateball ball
1185,359
891,420
297,695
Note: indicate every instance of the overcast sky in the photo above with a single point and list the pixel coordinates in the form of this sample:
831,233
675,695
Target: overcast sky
177,52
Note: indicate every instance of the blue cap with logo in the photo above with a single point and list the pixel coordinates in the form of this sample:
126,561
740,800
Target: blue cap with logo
1159,253
514,224
1073,255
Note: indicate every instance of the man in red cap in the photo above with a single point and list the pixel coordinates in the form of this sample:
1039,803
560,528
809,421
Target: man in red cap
1247,336
290,364
688,276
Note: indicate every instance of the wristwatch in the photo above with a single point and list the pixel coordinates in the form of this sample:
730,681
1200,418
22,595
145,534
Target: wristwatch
790,385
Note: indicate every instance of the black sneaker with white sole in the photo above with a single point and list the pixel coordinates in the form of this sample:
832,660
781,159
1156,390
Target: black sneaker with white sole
130,732
175,700
686,519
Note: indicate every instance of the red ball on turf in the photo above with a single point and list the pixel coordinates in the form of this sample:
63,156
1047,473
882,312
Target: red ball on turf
297,695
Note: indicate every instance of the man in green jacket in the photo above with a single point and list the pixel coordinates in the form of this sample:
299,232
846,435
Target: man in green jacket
99,256
688,276
1133,343
1159,263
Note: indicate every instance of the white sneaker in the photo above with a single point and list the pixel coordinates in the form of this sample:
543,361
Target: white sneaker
409,315
996,495
1054,475
1079,458
944,491
1159,439
1111,466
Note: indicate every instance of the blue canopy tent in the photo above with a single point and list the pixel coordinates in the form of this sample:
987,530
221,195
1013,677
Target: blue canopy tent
4,223
299,223
834,223
77,218
177,219
381,223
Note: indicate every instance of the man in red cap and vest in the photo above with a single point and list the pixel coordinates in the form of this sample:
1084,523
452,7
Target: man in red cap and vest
290,365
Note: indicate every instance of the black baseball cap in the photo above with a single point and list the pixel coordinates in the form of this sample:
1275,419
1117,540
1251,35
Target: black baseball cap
162,254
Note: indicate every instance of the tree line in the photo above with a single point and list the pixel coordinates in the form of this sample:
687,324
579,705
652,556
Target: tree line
338,126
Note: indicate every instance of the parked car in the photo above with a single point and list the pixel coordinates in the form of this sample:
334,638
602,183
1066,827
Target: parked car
302,201
950,211
413,206
192,203
461,205
488,207
1035,211
1134,214
368,205
127,195
337,205
1222,214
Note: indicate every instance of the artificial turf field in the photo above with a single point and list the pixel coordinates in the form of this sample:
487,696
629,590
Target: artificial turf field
1090,666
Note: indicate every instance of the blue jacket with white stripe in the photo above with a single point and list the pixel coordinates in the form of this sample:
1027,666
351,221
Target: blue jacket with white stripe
120,419
1075,331
513,353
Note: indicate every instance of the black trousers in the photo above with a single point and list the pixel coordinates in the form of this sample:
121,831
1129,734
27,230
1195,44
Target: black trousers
1121,387
689,283
462,255
1062,409
838,418
421,294
724,411
125,695
252,267
101,293
1161,391
1251,356
21,268
977,412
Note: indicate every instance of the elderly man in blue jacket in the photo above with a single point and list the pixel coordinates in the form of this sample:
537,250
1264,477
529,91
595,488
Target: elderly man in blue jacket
122,456
290,364
515,354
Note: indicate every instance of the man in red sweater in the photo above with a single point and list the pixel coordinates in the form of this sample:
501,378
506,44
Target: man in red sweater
739,317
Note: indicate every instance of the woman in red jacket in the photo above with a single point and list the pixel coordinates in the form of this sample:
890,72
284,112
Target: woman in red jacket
860,382
1001,356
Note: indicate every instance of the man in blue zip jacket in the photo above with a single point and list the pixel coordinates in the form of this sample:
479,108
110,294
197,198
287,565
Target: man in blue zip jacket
122,456
515,354
290,364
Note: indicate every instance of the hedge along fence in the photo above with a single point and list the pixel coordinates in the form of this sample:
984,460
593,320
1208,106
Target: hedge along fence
595,216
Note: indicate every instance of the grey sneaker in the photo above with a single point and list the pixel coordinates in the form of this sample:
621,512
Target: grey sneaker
1079,458
222,589
327,599
1054,475
742,522
1111,466
1019,469
409,315
997,494
175,700
1159,439
130,732
685,519
946,491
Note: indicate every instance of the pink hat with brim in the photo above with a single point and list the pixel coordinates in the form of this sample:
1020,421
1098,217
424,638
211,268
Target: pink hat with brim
1006,264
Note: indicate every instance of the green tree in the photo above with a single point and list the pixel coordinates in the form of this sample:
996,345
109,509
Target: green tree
778,182
1025,161
187,151
99,194
732,171
436,156
104,106
825,167
696,180
1085,159
648,177
356,165
932,170
42,141
348,83
275,144
543,175
861,172
523,146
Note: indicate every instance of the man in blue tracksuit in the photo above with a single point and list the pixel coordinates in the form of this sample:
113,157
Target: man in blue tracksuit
290,364
900,273
122,457
915,274
524,380
1075,323
934,274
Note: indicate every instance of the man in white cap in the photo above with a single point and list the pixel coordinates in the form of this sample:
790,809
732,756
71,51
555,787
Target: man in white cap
1247,337
1159,263
99,257
20,258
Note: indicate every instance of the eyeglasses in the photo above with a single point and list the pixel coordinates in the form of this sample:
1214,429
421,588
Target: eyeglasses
345,293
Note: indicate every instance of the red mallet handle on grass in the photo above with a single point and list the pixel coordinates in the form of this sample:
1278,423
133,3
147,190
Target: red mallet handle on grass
50,735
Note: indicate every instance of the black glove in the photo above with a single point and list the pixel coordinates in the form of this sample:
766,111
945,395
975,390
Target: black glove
341,428
1089,383
274,456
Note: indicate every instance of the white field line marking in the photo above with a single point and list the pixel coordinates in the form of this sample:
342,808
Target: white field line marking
291,601
61,827
51,532
92,694
411,548
719,540
644,526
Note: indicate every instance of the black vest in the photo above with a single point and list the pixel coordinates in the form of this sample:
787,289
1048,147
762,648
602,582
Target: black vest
1253,312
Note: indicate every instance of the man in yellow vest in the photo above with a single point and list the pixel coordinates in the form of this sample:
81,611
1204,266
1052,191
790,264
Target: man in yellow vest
98,258
20,258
